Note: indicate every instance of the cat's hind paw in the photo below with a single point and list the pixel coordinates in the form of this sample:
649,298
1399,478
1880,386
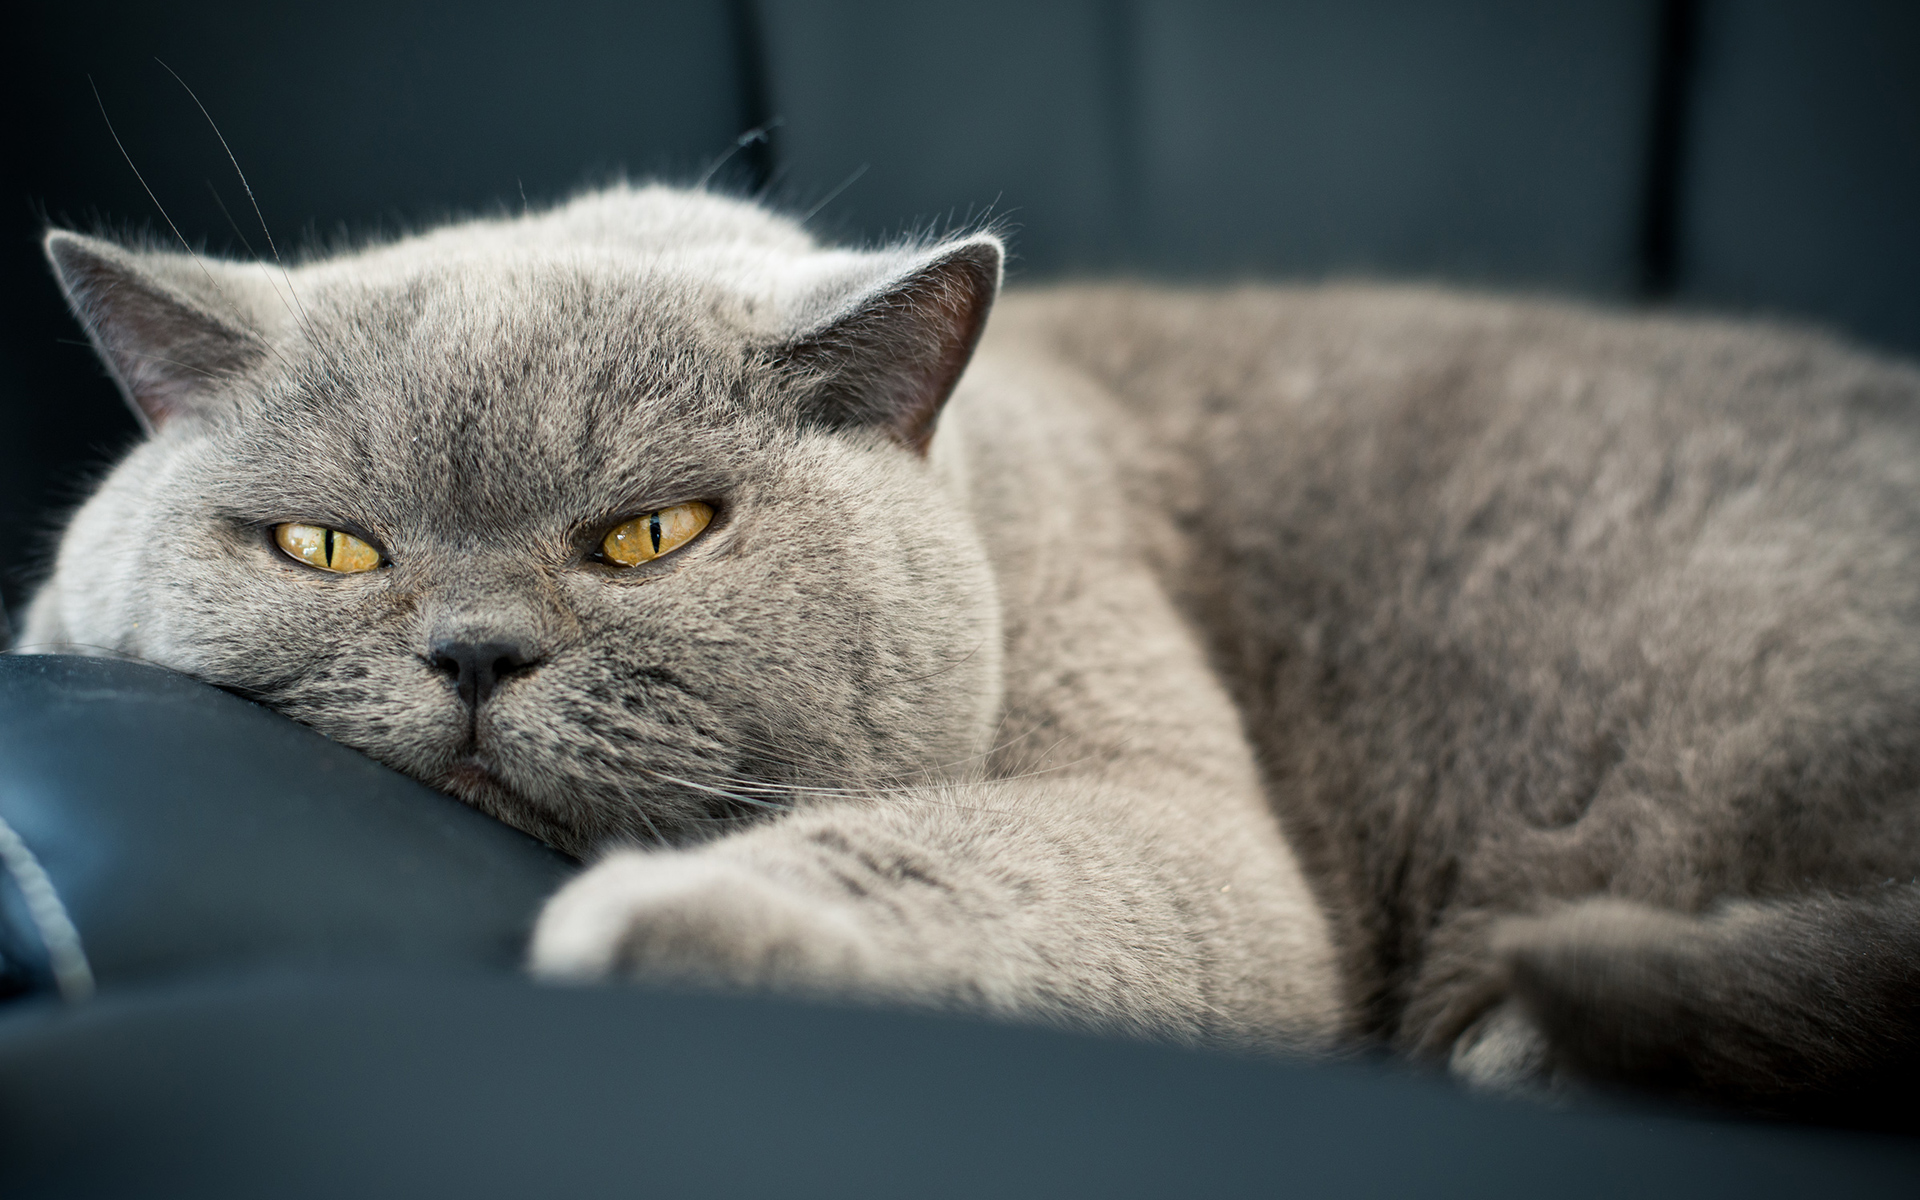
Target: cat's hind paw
693,918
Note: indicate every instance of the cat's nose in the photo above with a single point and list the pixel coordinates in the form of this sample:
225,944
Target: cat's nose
477,668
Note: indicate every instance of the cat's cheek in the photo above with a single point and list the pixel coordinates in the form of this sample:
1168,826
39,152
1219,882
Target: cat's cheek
695,918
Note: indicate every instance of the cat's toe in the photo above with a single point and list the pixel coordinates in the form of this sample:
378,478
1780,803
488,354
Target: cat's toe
1503,1052
691,918
582,928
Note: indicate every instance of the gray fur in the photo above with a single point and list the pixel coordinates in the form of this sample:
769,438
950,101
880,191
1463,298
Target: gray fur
1494,606
1803,1008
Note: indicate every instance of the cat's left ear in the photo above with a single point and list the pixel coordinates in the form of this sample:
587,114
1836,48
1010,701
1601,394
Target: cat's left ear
889,358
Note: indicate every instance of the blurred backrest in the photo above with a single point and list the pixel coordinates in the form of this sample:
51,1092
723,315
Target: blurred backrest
1745,154
1493,140
1800,191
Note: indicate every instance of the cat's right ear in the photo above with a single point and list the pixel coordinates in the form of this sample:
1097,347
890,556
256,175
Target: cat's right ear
889,357
167,347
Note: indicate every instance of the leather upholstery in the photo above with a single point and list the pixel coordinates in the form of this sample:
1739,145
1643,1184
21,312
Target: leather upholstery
188,832
374,1087
1487,142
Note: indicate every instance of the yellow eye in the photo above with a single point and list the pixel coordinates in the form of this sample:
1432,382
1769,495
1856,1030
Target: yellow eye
645,538
328,549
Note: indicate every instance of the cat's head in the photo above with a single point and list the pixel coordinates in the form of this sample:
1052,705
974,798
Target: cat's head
622,518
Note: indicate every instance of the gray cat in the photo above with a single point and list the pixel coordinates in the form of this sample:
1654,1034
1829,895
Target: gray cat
1526,687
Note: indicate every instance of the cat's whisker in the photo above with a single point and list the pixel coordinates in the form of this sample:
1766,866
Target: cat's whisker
1006,744
302,318
775,177
995,747
906,782
757,134
246,327
833,195
786,756
1055,769
921,793
152,358
237,231
723,793
955,665
651,827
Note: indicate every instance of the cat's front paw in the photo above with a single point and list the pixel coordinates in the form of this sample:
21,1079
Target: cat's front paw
696,918
1502,1052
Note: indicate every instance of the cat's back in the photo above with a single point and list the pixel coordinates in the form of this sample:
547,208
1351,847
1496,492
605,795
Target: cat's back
1523,599
1265,363
1457,428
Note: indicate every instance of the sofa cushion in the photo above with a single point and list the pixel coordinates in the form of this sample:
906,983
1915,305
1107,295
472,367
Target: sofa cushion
370,1086
184,830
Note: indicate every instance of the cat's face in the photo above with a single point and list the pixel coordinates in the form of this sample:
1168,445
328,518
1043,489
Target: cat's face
482,424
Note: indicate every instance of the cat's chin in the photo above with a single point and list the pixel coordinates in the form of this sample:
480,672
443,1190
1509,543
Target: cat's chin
470,775
474,780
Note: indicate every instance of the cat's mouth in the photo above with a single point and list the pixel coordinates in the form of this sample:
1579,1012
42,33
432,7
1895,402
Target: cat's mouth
473,779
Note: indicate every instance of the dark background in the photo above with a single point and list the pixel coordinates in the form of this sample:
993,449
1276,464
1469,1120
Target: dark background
1747,156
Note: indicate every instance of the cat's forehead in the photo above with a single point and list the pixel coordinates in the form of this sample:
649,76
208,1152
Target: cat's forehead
526,322
513,393
525,334
520,372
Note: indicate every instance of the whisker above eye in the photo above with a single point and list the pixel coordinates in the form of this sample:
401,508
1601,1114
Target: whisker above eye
300,318
246,327
955,665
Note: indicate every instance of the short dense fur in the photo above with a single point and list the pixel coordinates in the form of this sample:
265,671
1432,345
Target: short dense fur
1574,652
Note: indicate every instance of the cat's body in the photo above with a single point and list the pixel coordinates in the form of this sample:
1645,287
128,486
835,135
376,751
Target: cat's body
1512,613
1523,604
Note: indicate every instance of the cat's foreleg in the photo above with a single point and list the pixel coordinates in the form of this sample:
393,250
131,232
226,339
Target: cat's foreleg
1038,902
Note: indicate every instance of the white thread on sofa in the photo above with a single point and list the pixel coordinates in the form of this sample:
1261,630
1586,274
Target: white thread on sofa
71,972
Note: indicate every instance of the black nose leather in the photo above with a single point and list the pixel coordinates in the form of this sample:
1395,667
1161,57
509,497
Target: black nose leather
478,667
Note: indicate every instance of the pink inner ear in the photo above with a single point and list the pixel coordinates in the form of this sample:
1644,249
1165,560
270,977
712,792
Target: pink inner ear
167,353
158,396
170,362
170,358
962,293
